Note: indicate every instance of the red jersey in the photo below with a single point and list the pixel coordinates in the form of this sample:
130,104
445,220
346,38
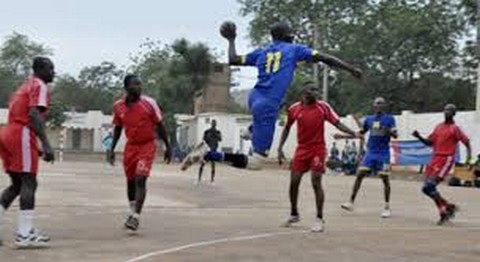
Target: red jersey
445,138
311,123
139,120
33,92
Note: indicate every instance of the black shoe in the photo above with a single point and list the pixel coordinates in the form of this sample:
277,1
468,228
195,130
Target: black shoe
443,218
132,223
452,209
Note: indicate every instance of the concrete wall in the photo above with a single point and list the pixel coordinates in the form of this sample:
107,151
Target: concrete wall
231,126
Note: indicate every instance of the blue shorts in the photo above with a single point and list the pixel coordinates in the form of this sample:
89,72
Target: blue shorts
264,112
376,163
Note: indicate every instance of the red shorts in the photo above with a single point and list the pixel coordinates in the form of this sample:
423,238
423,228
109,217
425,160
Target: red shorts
309,159
138,159
18,149
440,166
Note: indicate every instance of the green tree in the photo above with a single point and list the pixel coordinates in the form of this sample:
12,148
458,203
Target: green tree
399,44
16,56
96,88
173,75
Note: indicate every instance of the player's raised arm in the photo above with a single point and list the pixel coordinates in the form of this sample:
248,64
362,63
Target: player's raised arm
229,31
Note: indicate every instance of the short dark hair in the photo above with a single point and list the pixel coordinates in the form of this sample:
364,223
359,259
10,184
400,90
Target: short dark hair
40,63
128,78
280,31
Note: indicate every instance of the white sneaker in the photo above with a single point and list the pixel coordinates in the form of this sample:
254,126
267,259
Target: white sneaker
246,134
33,240
318,226
291,220
195,156
255,162
347,206
386,213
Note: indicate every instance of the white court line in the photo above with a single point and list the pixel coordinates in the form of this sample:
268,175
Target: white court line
274,234
211,242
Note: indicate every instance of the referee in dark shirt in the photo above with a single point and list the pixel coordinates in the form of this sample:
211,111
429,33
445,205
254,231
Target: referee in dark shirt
212,137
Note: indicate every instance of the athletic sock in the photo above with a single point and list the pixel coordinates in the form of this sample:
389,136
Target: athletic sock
136,215
2,212
132,207
387,205
25,222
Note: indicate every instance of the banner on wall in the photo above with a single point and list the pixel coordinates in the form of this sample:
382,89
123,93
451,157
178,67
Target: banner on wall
412,153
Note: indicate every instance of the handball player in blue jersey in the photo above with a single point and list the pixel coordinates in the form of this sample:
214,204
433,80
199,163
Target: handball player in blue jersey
276,64
381,127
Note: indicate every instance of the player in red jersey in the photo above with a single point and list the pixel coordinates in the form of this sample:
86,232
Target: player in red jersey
444,140
142,119
19,150
310,115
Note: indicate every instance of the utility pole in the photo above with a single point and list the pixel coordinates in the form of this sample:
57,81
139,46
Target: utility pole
477,104
315,46
319,40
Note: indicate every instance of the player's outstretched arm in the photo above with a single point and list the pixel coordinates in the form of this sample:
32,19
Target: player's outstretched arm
117,132
338,63
38,126
162,134
425,141
348,133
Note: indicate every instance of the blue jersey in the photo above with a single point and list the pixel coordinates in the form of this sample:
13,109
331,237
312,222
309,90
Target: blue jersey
379,127
276,64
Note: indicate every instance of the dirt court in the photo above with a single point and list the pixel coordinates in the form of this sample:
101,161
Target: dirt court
82,206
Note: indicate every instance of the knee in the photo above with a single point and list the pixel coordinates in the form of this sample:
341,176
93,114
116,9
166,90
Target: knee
140,182
362,174
316,180
429,188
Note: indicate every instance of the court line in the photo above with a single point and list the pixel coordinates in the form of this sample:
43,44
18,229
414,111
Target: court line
274,234
212,242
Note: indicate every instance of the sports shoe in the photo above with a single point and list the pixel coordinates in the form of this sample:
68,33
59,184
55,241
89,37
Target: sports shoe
246,134
443,218
451,209
195,156
132,223
33,240
318,226
255,162
291,220
386,213
347,206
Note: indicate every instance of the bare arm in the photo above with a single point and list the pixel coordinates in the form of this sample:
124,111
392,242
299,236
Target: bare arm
469,151
283,139
425,141
233,57
345,129
337,63
162,134
38,126
117,132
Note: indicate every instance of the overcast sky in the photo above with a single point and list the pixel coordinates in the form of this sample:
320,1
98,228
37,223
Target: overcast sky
87,32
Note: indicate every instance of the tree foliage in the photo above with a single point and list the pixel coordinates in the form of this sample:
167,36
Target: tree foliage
411,51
